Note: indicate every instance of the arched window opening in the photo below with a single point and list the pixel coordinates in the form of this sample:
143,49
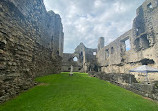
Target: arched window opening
75,59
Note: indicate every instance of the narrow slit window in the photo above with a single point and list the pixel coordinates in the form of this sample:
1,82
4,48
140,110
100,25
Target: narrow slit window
112,50
106,53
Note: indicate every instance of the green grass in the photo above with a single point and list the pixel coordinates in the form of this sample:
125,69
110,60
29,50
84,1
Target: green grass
77,93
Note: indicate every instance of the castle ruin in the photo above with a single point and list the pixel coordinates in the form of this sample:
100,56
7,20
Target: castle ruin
115,57
136,47
31,44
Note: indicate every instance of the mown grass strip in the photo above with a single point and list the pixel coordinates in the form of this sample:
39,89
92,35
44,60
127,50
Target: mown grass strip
60,92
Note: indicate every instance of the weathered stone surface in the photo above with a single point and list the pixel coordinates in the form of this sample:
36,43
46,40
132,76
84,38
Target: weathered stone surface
68,61
115,78
31,44
114,58
129,82
113,62
86,60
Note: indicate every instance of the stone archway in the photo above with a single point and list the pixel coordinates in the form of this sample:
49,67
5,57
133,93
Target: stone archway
75,59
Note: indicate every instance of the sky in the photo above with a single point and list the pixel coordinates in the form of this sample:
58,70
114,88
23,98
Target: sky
87,20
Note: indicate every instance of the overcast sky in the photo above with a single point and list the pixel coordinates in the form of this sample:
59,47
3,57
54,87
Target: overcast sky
87,20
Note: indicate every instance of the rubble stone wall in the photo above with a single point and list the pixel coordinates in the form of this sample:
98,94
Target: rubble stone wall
68,61
114,58
129,82
86,59
31,44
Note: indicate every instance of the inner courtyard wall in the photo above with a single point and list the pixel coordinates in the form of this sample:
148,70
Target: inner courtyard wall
31,45
114,58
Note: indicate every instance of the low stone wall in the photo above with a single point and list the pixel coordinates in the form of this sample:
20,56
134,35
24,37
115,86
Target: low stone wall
146,90
129,82
115,78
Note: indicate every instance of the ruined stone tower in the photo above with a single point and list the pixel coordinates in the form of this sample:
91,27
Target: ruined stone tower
100,43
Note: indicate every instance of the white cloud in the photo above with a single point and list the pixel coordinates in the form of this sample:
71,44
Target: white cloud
87,20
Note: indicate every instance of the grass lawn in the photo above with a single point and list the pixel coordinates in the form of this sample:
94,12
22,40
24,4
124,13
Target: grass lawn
59,92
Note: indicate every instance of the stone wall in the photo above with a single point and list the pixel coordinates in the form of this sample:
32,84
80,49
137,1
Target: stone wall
114,78
86,59
31,44
115,58
129,82
68,61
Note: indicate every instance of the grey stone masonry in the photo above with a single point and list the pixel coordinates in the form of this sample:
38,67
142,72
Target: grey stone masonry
31,44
